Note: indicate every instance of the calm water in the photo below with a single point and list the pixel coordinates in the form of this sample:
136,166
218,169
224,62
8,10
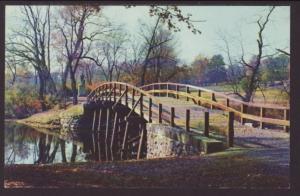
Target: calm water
27,145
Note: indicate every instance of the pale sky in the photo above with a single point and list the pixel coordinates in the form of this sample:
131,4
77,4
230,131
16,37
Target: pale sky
237,21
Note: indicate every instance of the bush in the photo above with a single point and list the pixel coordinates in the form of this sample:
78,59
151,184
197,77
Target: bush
51,101
21,101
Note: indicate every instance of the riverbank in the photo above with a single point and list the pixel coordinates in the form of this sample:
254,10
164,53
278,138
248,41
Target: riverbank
233,168
51,119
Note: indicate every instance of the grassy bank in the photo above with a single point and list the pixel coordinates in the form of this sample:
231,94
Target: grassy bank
51,118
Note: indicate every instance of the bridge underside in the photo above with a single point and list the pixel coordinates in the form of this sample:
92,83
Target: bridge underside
114,136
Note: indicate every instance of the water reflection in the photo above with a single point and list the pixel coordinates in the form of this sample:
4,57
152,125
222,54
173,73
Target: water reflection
26,145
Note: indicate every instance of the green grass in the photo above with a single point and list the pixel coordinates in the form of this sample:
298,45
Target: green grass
216,122
51,118
73,111
272,95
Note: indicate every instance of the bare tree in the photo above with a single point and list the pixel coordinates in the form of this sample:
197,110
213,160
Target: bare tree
164,56
107,54
131,66
75,20
32,45
251,69
170,14
252,77
149,34
11,63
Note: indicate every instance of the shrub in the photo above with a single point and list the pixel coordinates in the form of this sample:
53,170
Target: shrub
51,101
21,101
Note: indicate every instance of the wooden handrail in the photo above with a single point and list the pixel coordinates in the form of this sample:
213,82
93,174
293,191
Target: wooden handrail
173,88
258,105
226,108
137,89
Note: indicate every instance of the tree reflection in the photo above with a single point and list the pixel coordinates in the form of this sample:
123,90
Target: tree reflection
74,153
63,150
23,144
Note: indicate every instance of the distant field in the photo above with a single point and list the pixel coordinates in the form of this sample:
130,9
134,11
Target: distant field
272,95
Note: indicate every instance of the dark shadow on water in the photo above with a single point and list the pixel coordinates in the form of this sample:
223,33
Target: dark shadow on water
28,145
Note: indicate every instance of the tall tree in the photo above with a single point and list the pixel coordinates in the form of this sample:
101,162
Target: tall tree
107,54
249,76
253,68
199,67
216,71
73,27
32,45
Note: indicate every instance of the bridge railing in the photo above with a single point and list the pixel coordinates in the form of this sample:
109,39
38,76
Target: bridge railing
138,100
245,111
142,100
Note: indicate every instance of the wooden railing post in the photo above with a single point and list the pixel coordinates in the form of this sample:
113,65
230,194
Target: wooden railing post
153,88
262,114
141,106
167,90
172,117
106,92
199,95
110,91
227,102
115,86
159,88
206,124
177,90
150,110
133,92
160,113
126,95
287,117
187,120
187,91
230,129
213,98
244,111
120,89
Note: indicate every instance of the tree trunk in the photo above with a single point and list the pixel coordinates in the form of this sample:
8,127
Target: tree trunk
74,88
74,153
50,85
42,149
63,151
52,156
64,84
42,90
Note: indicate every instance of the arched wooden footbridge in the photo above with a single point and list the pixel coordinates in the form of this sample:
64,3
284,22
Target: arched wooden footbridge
147,96
126,103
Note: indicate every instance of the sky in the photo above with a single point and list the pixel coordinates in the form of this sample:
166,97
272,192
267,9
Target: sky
237,23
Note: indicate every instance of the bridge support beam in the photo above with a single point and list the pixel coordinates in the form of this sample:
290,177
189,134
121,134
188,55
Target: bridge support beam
187,92
187,120
206,124
172,117
230,129
141,141
199,95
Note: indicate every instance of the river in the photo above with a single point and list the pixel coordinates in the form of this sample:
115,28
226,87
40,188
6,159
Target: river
28,145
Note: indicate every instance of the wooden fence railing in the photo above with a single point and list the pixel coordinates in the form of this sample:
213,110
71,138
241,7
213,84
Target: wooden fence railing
146,104
223,102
